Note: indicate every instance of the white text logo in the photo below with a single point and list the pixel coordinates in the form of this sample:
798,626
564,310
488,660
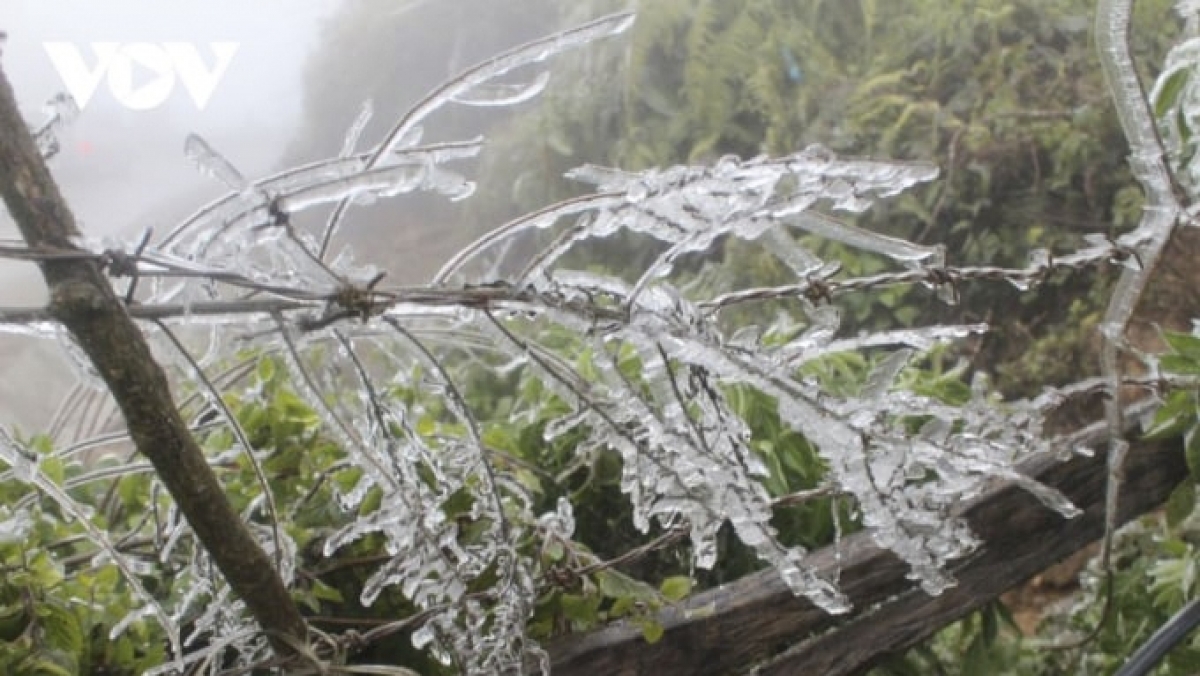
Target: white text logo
161,64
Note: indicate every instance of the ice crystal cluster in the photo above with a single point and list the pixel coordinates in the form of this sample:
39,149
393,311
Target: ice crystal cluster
663,366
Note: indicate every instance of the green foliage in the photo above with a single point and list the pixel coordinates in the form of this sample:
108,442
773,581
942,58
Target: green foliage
983,643
1004,95
56,609
1154,576
1180,416
1061,356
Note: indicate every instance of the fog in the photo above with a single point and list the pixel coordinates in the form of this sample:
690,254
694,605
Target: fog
121,165
123,170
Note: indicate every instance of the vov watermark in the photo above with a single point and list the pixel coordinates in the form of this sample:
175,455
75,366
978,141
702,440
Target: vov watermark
156,66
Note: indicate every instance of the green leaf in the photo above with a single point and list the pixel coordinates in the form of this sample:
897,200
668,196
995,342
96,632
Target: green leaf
266,369
1177,414
1181,503
41,444
61,627
371,502
651,631
581,610
621,607
776,481
44,666
500,438
1173,547
676,588
1184,344
1191,450
324,592
555,551
1169,94
52,468
426,426
13,621
586,367
618,585
46,572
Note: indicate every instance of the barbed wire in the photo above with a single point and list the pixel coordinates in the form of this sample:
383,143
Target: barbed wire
362,301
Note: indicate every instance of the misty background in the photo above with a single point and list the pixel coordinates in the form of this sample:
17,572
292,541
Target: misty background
123,171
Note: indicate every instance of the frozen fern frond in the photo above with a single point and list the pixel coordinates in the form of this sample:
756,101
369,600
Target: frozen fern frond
687,209
661,368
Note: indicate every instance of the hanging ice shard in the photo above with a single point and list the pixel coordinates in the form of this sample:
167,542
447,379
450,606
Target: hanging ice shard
213,164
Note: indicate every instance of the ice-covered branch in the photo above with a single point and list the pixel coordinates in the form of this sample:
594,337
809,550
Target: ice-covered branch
1148,161
472,80
649,362
822,287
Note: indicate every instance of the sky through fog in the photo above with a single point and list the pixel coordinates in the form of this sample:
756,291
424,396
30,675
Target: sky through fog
123,170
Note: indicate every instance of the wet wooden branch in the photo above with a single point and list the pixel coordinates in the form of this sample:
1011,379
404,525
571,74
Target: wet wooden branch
758,621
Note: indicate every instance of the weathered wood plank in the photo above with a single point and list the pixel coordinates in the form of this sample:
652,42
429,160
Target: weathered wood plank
757,619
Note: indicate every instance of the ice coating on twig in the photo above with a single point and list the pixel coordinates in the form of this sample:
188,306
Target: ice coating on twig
1161,211
61,110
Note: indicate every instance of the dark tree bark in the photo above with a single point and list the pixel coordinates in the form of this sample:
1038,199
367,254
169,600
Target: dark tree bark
84,302
758,621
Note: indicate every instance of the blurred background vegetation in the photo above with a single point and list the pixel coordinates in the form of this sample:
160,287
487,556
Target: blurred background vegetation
1006,96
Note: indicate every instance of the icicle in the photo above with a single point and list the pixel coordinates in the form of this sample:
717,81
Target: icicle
537,220
913,255
350,142
213,164
883,376
385,182
217,213
439,153
504,94
921,338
